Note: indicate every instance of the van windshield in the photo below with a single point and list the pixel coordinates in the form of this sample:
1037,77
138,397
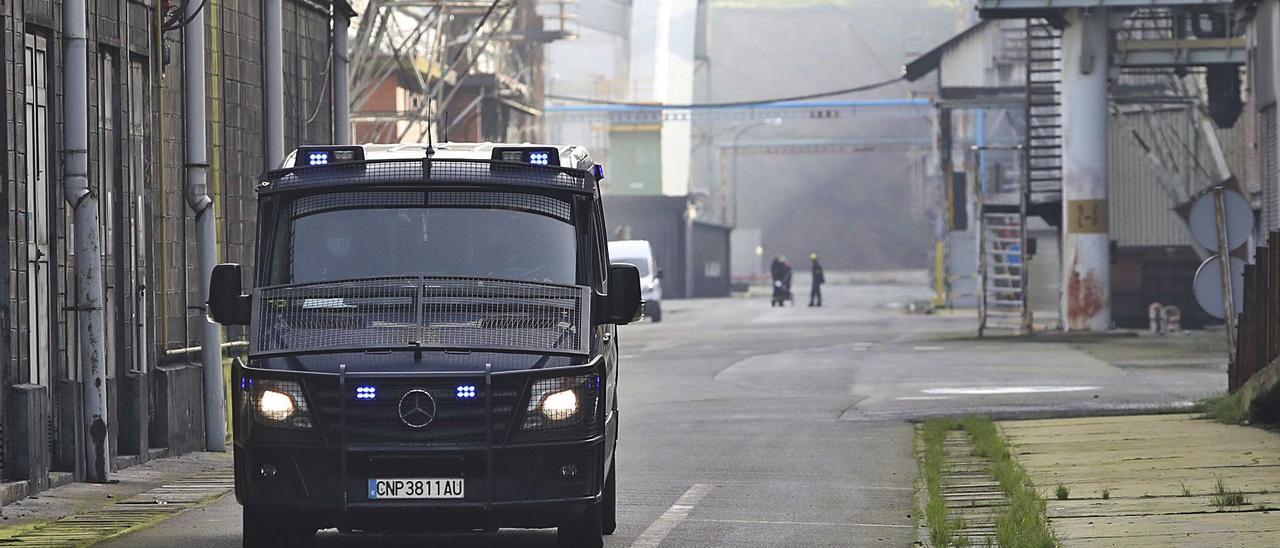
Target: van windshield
334,244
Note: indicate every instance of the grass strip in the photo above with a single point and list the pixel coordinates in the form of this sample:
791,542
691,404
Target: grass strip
935,434
1224,408
1024,524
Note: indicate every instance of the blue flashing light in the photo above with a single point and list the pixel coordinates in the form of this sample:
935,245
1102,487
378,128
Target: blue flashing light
246,383
318,158
466,392
366,392
539,158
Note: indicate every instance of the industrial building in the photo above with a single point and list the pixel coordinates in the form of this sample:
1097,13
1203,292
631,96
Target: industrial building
141,158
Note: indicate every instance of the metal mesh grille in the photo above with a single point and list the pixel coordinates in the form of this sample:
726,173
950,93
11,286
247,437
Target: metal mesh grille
446,171
533,203
333,201
254,389
310,205
425,312
561,402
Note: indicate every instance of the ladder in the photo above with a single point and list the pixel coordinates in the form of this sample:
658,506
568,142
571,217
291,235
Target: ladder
1043,158
1002,257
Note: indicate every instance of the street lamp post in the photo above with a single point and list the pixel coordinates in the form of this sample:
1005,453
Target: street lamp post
724,181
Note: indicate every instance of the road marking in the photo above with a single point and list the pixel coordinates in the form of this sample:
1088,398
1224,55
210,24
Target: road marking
667,522
924,398
1001,390
928,348
818,523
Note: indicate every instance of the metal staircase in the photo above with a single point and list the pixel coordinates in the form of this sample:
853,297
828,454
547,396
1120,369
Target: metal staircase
1044,114
1002,244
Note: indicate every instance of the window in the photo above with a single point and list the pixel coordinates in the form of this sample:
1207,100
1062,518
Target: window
39,269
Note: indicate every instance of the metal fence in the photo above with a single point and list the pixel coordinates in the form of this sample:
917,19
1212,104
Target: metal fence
1258,330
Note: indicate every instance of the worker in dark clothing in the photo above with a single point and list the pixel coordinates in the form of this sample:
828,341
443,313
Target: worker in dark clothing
781,271
815,294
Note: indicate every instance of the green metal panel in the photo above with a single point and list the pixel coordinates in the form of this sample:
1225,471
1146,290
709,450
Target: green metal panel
635,162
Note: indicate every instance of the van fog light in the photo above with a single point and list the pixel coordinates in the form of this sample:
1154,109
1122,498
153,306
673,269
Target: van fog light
276,406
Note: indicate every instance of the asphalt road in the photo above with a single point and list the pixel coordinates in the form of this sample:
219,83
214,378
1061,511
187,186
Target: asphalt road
745,425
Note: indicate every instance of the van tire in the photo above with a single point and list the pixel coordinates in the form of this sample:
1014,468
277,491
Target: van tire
654,309
260,531
584,531
609,512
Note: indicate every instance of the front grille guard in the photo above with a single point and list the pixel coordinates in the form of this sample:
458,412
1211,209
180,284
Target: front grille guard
352,378
595,367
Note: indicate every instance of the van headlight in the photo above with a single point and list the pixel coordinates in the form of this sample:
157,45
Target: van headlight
277,403
563,401
275,406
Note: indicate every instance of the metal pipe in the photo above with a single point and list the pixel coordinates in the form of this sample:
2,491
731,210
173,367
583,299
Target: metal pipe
196,191
194,349
273,75
88,251
341,75
1086,277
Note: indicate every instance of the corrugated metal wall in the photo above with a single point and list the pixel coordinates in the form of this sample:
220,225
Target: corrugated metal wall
1141,212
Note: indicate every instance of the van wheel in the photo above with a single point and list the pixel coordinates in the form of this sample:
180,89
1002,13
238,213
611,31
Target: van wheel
654,309
584,531
609,512
261,532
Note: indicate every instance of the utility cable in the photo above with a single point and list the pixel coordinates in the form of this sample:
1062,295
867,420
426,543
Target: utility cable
729,104
175,24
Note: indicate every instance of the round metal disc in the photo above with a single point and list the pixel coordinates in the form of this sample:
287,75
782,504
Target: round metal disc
1208,286
1204,221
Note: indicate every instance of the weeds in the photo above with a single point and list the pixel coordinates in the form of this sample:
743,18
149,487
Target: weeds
1224,408
1024,522
1186,491
941,530
1062,492
1106,493
1223,497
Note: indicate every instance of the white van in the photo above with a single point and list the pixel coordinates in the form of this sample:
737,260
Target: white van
640,254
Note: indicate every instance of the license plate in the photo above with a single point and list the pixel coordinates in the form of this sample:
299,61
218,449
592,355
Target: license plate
416,488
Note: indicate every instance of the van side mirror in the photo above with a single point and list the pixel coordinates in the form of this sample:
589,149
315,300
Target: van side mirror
228,305
624,302
657,274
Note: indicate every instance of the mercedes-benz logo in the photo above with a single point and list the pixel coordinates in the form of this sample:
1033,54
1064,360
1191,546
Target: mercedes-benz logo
417,408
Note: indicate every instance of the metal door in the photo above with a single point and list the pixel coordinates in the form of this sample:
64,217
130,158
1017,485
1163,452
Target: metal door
39,270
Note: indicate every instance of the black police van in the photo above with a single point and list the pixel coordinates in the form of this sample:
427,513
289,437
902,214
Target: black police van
432,344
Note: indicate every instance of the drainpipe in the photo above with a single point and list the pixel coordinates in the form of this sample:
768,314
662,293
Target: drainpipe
196,191
84,203
273,42
341,76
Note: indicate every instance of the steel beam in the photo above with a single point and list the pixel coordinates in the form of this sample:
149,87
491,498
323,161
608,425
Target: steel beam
1180,53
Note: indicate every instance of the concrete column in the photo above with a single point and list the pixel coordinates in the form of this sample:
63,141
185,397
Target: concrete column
1086,276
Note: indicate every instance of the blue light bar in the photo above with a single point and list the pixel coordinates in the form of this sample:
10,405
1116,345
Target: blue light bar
318,158
366,392
466,392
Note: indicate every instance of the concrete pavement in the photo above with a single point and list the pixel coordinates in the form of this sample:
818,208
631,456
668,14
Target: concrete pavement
788,426
1160,474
